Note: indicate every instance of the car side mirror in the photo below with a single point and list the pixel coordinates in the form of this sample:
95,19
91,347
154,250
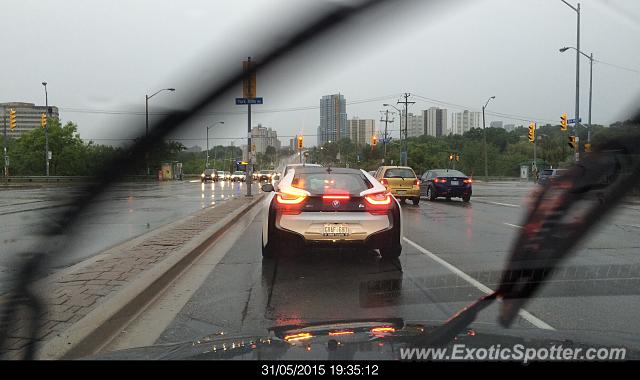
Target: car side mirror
267,188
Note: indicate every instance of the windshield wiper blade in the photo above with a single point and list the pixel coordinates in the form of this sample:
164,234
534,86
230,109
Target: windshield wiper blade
454,325
561,214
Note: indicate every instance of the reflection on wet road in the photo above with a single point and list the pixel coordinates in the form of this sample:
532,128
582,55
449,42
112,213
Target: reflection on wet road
124,211
452,253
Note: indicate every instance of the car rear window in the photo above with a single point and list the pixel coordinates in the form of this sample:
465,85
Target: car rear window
209,171
334,183
450,173
399,173
238,172
547,172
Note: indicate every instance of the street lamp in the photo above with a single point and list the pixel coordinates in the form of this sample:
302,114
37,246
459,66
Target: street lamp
146,105
577,10
484,130
400,119
46,129
206,165
590,58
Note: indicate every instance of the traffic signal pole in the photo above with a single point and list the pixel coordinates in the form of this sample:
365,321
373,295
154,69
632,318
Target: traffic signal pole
249,153
6,156
46,129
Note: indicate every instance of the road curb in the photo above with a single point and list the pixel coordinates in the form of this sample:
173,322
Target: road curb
88,335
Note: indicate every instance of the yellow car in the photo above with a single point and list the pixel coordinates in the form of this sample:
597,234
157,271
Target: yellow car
401,181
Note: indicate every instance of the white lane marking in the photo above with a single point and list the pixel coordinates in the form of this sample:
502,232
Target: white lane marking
512,225
503,204
478,285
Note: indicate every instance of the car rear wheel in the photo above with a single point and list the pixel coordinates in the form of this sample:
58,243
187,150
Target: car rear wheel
466,198
392,252
416,201
431,196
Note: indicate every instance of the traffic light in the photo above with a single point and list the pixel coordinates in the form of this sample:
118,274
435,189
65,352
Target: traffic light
532,132
43,120
572,142
374,140
587,148
300,142
450,156
12,118
457,157
563,122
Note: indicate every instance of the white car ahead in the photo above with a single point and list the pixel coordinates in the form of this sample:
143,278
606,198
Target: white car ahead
330,207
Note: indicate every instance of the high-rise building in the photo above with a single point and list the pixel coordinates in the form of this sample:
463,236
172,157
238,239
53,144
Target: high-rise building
435,121
27,116
465,120
263,137
333,118
415,125
361,130
496,124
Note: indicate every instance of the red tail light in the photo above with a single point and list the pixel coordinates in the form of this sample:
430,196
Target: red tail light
416,182
440,180
379,199
289,199
468,180
384,182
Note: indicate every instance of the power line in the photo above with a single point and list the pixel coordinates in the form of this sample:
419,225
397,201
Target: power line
218,113
493,113
617,66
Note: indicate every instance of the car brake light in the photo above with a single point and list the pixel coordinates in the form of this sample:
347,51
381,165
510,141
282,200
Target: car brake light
416,182
296,337
378,199
325,197
289,199
468,180
383,330
384,182
340,332
440,180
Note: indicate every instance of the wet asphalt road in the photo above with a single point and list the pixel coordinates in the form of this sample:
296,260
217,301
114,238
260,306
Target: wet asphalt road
596,294
123,212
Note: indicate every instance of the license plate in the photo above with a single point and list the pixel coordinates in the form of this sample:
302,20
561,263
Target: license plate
335,229
455,183
401,192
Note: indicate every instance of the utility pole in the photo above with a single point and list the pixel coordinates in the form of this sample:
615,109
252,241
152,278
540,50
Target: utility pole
590,96
384,142
404,155
484,140
577,111
206,164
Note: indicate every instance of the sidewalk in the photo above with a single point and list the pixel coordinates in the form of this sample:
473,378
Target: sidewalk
113,278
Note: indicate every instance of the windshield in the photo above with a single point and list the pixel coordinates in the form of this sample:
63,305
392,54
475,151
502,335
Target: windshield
122,227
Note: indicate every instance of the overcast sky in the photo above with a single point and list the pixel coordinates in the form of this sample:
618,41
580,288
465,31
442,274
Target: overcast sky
100,58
